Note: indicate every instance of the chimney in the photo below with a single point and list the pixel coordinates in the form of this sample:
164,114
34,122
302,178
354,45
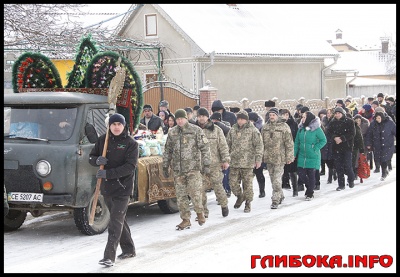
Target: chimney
385,44
338,34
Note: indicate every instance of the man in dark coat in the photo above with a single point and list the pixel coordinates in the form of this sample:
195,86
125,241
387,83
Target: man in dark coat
217,106
341,132
150,120
117,185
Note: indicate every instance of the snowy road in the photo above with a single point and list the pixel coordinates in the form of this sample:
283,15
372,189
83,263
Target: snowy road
359,221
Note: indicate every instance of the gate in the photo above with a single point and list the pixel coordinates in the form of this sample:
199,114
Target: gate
177,96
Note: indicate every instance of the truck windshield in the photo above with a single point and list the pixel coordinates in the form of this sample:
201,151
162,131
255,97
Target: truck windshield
40,123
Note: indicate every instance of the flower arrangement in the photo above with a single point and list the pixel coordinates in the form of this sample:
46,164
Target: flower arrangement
34,70
86,51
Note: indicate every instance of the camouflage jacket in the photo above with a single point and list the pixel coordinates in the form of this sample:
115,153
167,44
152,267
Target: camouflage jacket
278,142
187,148
218,146
245,145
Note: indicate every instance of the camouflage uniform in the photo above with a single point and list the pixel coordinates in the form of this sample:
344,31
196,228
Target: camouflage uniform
219,154
245,148
188,151
278,149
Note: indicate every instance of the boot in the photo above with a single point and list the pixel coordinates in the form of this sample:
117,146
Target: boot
201,219
247,207
334,174
285,180
239,201
225,211
262,189
377,167
185,224
293,179
330,175
389,164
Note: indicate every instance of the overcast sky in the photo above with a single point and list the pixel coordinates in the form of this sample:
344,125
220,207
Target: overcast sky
357,21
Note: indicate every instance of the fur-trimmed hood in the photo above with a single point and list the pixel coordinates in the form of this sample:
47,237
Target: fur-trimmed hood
314,124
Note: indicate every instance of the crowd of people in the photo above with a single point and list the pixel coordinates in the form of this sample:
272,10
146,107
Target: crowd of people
223,150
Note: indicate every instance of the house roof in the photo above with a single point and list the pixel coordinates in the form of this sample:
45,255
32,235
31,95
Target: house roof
234,31
367,63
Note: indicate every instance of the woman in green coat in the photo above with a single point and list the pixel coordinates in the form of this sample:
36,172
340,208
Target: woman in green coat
309,140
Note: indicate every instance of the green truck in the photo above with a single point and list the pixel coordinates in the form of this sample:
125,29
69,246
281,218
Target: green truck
46,167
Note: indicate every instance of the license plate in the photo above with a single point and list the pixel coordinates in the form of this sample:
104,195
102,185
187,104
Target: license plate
25,197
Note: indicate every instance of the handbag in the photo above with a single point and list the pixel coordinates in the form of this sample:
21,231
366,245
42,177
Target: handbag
363,170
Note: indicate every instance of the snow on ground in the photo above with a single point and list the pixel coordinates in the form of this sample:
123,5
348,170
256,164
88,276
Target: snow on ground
359,221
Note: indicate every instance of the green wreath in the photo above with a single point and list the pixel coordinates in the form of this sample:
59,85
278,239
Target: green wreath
34,70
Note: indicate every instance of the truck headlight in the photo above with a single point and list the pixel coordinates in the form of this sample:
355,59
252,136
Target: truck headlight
43,168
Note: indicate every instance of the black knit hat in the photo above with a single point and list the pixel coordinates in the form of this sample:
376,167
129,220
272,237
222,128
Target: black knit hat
242,115
380,95
269,104
188,110
148,106
304,109
248,110
234,109
299,106
340,101
216,115
339,110
196,107
116,118
180,113
203,111
253,116
274,110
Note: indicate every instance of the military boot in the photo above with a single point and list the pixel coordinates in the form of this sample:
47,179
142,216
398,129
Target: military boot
293,179
201,219
239,201
225,211
247,207
185,224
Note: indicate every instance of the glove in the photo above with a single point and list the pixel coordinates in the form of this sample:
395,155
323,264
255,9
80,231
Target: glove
101,173
166,172
101,160
206,170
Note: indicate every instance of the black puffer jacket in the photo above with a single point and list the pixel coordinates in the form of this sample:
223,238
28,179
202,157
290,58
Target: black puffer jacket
343,128
226,116
122,155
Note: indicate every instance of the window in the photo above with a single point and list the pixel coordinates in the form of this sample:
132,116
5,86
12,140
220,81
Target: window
151,25
9,62
152,77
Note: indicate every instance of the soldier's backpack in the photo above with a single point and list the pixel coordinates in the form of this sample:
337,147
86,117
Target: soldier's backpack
363,170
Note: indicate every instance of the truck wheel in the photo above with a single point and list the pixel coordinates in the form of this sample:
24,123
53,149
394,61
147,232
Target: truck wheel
101,218
13,220
168,206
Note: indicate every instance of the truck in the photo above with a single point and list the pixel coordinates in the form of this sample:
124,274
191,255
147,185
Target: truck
49,131
46,167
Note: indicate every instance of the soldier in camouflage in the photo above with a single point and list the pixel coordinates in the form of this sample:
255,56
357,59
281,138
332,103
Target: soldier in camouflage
187,152
278,151
219,160
246,150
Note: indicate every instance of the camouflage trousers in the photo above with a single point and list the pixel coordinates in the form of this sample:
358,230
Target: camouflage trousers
190,184
244,176
214,181
275,173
